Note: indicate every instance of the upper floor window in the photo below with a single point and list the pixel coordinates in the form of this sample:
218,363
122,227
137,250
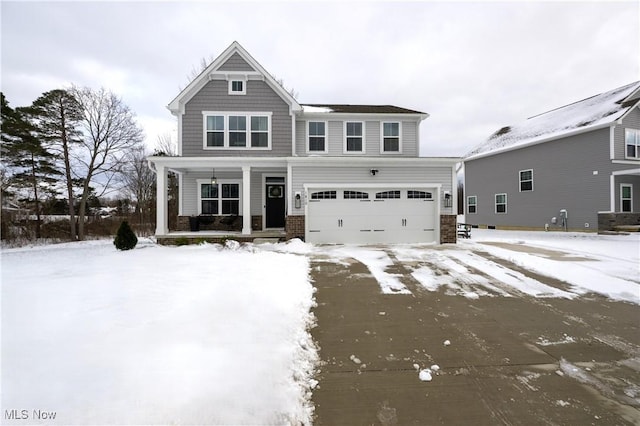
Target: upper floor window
501,203
317,136
237,87
391,137
526,180
353,139
237,130
472,204
632,142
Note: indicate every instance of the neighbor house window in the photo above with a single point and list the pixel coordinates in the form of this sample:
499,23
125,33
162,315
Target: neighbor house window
237,87
353,141
526,180
472,204
237,130
632,141
220,198
390,137
317,131
626,198
501,203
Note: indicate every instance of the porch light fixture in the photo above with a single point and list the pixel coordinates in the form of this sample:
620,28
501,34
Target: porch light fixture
213,177
373,172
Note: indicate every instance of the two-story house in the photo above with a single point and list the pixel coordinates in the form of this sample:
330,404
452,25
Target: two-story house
576,167
249,154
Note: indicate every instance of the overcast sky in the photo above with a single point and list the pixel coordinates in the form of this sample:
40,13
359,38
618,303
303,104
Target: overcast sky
473,66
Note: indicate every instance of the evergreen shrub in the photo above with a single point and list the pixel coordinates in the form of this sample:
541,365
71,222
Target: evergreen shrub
125,237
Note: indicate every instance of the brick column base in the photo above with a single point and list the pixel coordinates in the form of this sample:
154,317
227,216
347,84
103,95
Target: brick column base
448,228
295,227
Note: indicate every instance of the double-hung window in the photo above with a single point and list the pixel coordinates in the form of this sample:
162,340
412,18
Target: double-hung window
526,180
353,136
632,142
317,136
391,137
219,198
472,204
237,130
626,198
501,203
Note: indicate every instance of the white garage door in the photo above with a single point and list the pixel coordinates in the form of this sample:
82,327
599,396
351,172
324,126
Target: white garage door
367,216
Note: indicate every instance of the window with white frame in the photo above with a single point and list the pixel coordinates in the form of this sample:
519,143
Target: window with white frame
237,87
632,143
626,198
353,139
237,130
526,180
220,198
501,203
390,137
472,204
317,136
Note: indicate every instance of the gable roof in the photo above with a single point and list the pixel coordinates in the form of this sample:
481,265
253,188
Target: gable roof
251,68
359,109
588,114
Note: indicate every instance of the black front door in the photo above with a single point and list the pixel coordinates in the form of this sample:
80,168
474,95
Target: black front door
274,208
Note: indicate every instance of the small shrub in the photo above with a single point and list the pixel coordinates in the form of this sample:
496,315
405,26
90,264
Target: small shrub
125,237
181,241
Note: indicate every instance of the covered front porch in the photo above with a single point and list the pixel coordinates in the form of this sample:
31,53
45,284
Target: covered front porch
242,198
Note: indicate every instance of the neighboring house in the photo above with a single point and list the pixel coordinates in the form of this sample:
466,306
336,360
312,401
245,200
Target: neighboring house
324,173
567,168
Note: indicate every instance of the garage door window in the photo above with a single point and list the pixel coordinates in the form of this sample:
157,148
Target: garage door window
419,195
355,195
323,195
385,195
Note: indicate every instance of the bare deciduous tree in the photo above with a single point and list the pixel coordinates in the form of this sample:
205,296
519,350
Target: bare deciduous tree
109,134
166,146
140,181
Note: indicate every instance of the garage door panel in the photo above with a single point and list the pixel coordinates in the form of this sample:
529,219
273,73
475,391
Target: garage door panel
357,216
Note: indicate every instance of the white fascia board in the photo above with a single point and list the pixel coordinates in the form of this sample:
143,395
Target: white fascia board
626,172
517,145
206,162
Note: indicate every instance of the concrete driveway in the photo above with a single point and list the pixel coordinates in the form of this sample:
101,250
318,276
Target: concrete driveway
498,359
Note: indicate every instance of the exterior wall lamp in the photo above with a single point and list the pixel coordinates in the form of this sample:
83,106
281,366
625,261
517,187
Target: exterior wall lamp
213,177
447,199
374,172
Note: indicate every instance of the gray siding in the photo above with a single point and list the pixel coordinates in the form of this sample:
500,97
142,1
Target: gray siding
235,63
360,175
631,121
563,178
214,97
372,136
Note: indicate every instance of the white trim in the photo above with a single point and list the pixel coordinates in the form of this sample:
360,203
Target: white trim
626,172
631,162
219,182
495,203
180,194
612,192
326,136
454,190
180,133
630,185
264,197
245,195
289,190
612,151
382,151
362,137
162,215
520,181
248,131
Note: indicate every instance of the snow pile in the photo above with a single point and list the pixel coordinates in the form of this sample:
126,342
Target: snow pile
591,112
157,335
315,109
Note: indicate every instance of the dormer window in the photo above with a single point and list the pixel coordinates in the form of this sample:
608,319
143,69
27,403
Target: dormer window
237,87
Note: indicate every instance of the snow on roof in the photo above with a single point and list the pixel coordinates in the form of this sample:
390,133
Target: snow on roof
313,109
588,113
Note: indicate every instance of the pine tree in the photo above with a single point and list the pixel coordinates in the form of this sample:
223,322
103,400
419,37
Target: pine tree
125,237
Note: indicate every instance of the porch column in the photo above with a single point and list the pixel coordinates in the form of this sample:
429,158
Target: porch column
161,203
246,200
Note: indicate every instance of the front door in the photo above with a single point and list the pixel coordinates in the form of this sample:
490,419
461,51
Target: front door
274,206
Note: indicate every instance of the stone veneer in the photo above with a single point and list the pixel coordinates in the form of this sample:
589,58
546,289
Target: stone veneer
295,227
609,221
448,228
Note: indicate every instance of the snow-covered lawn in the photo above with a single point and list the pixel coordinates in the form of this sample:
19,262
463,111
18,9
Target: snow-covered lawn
212,335
158,335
